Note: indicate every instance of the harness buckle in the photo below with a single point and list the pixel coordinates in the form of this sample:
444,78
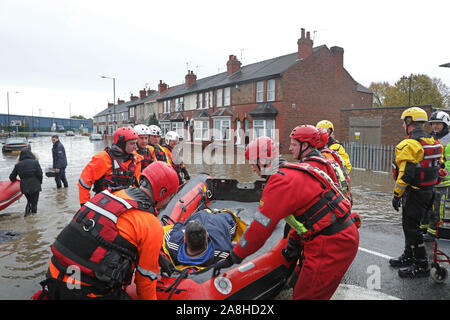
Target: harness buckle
89,228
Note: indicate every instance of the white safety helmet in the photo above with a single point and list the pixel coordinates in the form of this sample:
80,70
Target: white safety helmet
154,130
440,116
171,136
141,129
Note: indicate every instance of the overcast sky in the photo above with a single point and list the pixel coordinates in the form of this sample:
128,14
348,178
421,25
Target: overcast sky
54,52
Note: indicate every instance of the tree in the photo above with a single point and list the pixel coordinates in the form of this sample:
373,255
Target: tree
413,90
153,120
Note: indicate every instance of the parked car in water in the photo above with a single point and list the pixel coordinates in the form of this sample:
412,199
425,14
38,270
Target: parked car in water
95,136
15,144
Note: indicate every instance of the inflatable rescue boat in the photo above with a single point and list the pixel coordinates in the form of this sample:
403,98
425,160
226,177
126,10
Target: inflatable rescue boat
9,192
260,276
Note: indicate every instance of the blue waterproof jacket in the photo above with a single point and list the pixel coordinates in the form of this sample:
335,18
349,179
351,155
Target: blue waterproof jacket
59,155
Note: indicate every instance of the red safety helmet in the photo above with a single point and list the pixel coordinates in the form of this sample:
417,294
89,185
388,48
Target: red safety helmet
261,148
306,133
163,179
122,135
323,137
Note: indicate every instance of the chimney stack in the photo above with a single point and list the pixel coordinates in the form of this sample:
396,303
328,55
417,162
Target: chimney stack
110,104
149,92
305,45
162,86
120,101
142,94
233,65
190,78
132,97
338,55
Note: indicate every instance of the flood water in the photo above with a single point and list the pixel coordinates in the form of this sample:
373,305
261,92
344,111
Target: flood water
24,259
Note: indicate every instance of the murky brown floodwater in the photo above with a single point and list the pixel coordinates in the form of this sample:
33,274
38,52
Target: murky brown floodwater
23,260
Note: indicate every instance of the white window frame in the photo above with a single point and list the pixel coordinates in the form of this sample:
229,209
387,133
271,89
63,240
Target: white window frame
200,100
260,91
165,127
207,99
219,95
201,130
131,112
227,96
263,124
219,124
165,107
178,127
271,90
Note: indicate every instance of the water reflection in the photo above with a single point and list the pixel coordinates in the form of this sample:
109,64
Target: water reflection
25,259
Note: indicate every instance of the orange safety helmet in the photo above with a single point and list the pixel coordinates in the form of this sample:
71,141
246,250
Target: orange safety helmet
122,135
306,133
163,179
323,137
261,148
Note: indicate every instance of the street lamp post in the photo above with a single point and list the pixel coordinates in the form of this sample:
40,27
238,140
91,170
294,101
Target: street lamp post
114,101
7,103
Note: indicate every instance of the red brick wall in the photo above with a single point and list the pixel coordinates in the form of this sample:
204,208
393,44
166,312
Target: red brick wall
319,89
392,131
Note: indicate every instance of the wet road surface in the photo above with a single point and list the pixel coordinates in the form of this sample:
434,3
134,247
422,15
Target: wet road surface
25,254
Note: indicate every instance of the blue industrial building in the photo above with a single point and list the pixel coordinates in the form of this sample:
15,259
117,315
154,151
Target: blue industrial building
36,123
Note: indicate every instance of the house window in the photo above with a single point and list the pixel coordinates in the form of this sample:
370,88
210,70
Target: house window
206,99
264,128
201,130
165,127
165,110
219,97
271,90
227,97
260,91
131,112
178,128
221,130
200,100
124,116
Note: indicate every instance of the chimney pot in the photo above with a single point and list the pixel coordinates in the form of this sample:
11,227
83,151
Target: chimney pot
304,45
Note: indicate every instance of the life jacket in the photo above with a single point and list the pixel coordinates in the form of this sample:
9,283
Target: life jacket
120,177
148,157
425,173
328,215
160,155
336,173
330,153
92,243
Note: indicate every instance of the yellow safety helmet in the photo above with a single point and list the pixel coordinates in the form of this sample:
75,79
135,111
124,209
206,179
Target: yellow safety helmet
416,114
325,124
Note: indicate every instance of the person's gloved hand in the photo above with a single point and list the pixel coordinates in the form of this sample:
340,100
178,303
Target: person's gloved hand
226,263
185,174
165,265
292,250
396,202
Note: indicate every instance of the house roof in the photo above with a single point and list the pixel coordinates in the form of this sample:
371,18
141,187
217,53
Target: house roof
251,72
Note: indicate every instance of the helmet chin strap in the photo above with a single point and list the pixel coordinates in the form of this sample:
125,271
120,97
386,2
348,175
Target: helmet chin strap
300,152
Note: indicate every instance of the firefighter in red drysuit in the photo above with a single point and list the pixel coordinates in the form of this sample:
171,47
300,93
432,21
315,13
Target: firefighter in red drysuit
264,156
319,215
110,237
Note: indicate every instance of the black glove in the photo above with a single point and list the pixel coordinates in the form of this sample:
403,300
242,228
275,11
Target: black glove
185,173
226,263
396,202
293,249
82,204
165,265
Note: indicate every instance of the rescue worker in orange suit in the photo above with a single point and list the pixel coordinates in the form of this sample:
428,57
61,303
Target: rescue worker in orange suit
330,153
319,215
110,237
154,140
143,148
173,157
114,168
416,172
334,144
306,138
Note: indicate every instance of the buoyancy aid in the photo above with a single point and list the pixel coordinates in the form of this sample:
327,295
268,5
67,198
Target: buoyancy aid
426,172
328,214
148,157
159,153
333,154
92,243
335,171
120,177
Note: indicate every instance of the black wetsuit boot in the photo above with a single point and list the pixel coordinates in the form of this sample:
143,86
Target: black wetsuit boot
419,268
405,260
